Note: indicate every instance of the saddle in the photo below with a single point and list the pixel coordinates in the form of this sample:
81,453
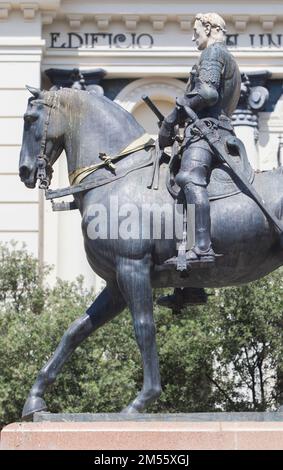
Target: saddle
222,182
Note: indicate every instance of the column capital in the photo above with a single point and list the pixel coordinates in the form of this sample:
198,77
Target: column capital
75,78
253,98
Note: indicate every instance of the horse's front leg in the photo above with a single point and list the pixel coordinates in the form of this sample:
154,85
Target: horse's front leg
106,306
134,281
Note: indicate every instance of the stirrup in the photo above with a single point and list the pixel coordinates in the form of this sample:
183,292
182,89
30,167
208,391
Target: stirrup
195,255
182,297
192,257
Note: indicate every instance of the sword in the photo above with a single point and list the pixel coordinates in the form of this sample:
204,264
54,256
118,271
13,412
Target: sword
153,108
213,140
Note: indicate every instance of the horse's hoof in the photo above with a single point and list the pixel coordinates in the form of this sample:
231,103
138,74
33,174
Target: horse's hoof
130,409
33,405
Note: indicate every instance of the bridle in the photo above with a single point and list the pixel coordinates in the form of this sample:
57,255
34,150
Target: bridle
44,168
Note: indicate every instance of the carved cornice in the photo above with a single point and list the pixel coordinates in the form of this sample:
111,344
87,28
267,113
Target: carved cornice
103,21
29,10
158,22
47,8
75,21
186,22
48,16
240,22
130,13
4,10
267,22
131,21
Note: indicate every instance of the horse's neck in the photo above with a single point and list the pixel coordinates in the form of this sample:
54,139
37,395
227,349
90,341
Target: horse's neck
97,125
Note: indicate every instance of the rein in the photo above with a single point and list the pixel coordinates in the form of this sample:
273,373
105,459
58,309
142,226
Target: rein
85,186
44,169
141,143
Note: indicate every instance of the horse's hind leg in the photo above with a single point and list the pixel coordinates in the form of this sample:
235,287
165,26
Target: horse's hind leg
134,281
106,306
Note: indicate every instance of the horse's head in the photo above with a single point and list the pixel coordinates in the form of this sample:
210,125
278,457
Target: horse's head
84,124
44,126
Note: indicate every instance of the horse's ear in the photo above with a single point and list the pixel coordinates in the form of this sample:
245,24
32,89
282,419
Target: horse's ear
36,92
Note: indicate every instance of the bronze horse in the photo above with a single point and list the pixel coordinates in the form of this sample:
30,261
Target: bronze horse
86,125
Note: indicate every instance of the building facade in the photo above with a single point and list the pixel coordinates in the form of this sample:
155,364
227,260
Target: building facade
129,49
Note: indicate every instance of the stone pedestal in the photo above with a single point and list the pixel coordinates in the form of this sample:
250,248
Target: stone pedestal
198,431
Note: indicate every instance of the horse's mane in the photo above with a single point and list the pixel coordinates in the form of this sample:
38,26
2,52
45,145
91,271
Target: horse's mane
73,96
101,125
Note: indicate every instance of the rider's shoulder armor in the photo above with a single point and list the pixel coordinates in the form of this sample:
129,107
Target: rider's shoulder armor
216,78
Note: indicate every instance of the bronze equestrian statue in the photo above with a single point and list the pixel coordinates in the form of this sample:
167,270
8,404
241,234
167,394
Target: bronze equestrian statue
110,158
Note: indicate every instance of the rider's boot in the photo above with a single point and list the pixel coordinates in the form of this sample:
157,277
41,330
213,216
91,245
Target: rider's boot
182,297
202,251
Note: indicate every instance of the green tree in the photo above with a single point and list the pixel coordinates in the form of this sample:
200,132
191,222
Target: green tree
20,279
226,355
248,357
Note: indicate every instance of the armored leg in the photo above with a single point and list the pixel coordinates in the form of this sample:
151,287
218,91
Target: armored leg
197,195
193,179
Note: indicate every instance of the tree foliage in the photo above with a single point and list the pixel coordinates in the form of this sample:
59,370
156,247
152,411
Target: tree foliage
226,355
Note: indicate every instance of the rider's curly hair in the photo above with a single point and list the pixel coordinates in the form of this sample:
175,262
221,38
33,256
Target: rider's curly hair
213,19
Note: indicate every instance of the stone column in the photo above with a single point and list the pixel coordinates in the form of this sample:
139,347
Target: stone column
253,98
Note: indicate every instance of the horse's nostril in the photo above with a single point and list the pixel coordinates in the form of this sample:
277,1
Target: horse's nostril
24,172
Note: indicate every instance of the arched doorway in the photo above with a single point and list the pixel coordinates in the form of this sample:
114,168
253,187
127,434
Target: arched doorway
162,91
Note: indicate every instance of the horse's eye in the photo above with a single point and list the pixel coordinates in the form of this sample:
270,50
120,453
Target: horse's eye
30,118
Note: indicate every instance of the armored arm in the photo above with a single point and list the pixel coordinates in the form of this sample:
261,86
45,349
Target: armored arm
203,92
166,134
207,83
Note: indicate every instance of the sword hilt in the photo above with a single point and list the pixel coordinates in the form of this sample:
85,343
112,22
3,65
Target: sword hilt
153,108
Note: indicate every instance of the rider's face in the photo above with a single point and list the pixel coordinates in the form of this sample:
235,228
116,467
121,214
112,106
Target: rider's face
200,36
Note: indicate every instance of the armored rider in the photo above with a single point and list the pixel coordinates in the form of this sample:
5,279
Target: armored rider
213,91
